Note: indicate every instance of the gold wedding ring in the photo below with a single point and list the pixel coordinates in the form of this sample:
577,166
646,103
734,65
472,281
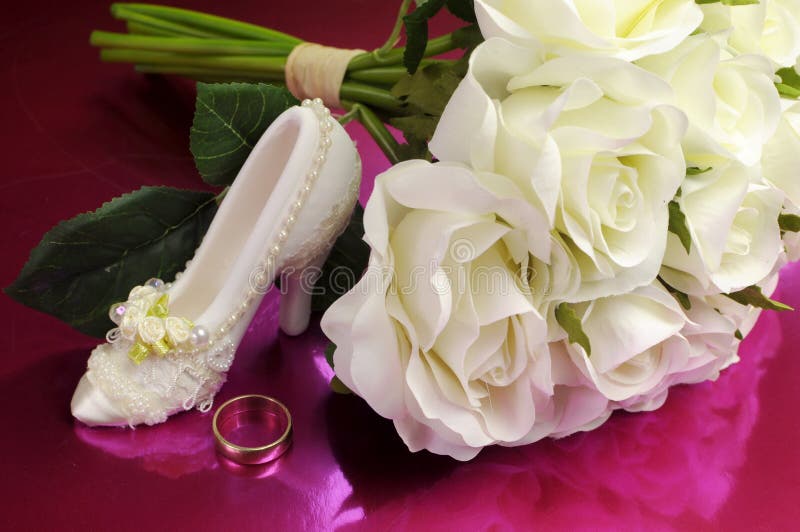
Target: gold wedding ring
254,411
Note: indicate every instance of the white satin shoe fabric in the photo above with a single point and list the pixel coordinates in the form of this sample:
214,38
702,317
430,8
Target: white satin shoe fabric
175,341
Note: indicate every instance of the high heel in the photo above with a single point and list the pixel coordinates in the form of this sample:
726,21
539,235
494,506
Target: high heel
174,342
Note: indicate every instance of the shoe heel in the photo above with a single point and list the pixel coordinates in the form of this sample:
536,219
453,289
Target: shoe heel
297,290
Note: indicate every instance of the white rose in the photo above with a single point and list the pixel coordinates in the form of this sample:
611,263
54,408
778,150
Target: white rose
769,27
706,345
633,339
732,104
735,239
744,317
441,335
781,159
593,143
628,29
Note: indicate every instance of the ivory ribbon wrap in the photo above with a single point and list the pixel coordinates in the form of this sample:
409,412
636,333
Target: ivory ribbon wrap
316,71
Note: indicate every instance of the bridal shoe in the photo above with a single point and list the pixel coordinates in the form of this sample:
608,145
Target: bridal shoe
174,342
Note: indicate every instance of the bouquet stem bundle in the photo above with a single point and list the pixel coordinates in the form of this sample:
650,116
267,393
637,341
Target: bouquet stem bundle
209,48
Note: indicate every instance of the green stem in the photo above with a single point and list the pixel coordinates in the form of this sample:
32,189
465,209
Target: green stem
190,45
439,45
119,11
385,75
140,28
263,64
350,115
377,130
394,37
221,196
211,23
372,96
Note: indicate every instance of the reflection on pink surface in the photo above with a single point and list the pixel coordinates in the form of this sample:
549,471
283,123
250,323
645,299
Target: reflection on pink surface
678,462
638,469
183,446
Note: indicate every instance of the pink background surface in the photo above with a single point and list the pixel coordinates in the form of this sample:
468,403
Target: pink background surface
76,132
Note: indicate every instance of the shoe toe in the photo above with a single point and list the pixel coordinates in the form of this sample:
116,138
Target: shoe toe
91,406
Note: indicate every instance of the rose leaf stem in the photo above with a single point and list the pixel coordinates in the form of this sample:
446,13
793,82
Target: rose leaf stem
192,45
436,46
394,36
371,96
119,11
376,128
385,75
212,23
263,64
140,28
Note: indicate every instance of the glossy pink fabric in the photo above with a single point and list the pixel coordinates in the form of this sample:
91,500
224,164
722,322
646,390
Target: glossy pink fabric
76,132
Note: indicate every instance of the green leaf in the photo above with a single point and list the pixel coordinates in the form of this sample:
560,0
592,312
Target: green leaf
677,225
229,119
418,127
467,38
790,83
428,90
571,323
682,298
336,384
694,170
85,264
753,296
788,91
339,387
463,9
329,350
789,222
738,335
416,24
346,262
425,95
729,2
413,148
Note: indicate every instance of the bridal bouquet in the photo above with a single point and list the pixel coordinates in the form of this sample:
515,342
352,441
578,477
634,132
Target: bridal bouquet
592,204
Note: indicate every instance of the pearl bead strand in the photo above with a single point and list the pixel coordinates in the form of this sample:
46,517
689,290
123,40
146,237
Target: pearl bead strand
201,339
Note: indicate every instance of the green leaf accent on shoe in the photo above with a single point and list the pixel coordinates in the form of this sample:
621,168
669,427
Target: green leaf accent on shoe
753,296
84,265
789,222
571,323
346,262
416,24
229,119
677,225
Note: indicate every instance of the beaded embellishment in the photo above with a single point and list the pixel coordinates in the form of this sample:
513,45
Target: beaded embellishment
172,356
